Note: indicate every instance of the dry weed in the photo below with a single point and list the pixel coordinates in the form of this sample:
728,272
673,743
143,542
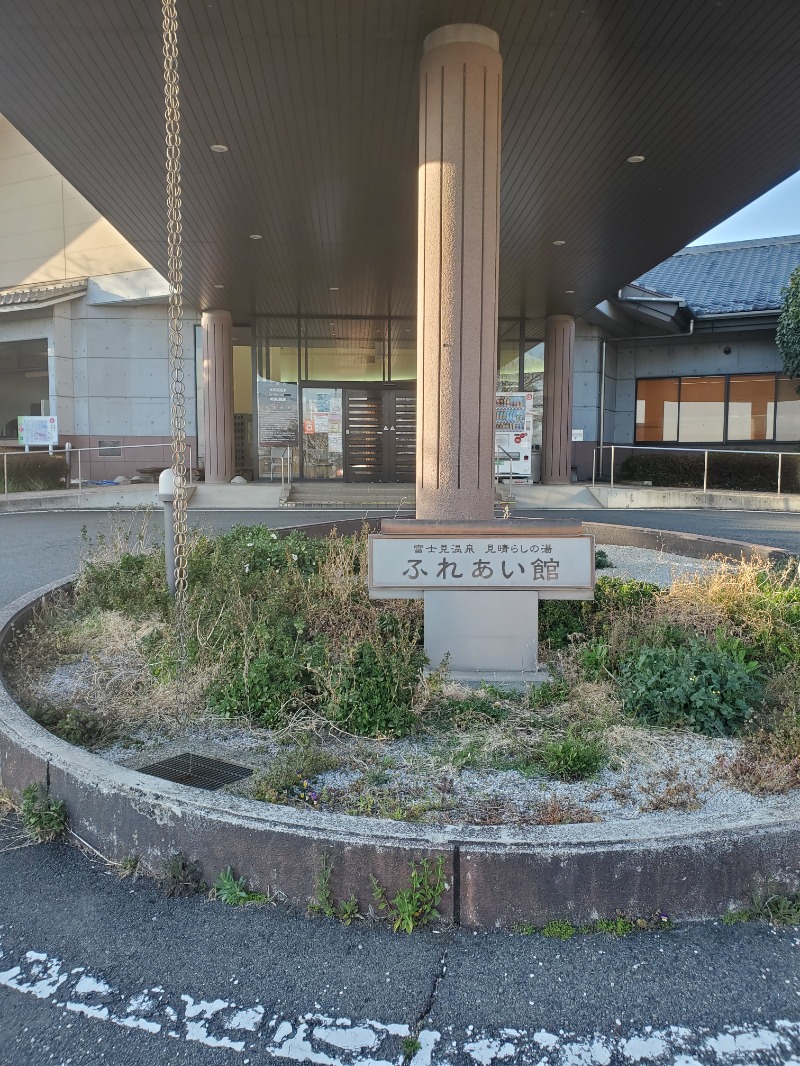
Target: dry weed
670,790
556,810
755,769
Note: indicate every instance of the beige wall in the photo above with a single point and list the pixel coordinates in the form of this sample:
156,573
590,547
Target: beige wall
48,232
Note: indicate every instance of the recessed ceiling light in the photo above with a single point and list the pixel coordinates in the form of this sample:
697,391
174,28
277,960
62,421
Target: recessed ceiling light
218,147
333,288
219,286
558,244
255,236
568,292
635,159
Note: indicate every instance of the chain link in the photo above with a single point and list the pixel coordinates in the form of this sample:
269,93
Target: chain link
172,121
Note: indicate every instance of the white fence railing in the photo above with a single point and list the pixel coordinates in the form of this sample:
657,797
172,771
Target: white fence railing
75,461
634,449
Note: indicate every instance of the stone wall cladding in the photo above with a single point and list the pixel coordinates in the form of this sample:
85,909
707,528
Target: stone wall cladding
496,875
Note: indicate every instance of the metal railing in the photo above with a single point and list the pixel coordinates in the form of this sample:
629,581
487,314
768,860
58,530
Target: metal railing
634,449
70,454
498,460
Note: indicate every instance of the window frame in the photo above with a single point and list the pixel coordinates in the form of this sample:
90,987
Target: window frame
726,437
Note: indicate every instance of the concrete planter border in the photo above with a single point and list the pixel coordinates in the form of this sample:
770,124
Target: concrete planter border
495,876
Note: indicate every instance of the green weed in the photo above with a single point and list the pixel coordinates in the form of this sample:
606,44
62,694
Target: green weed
233,890
711,687
573,758
322,902
414,906
559,929
43,817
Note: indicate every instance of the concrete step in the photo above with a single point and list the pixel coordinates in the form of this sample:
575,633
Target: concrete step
360,497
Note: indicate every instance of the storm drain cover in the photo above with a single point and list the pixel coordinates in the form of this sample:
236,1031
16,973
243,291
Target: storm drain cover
197,770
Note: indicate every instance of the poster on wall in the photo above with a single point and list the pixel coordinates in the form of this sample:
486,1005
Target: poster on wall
277,414
37,430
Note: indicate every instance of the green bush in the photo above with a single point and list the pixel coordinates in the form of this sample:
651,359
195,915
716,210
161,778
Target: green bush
36,472
726,470
135,584
711,687
280,677
560,619
371,691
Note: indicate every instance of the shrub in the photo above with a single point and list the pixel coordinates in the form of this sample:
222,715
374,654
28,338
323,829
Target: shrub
561,619
726,470
36,472
135,584
371,690
711,687
281,676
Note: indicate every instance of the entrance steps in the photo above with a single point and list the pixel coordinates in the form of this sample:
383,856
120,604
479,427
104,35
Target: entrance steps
343,497
337,495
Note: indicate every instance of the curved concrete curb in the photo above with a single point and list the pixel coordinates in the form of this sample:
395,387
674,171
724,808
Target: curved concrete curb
495,876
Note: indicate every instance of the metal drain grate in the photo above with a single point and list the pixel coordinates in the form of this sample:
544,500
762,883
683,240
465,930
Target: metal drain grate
197,771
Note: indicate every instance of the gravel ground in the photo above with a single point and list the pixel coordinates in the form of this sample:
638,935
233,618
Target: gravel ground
661,568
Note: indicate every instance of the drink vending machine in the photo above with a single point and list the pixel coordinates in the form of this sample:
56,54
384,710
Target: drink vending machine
513,436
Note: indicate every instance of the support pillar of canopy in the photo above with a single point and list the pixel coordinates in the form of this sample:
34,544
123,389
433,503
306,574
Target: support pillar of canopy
559,345
457,301
218,396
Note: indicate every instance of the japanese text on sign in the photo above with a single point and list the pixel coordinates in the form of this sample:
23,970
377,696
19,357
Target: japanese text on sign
481,562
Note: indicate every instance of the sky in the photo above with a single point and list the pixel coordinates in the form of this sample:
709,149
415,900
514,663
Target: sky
775,214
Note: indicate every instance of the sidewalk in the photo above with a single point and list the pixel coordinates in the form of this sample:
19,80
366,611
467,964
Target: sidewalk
266,496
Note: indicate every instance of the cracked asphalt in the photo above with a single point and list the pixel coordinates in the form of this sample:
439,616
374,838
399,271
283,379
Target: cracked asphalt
98,969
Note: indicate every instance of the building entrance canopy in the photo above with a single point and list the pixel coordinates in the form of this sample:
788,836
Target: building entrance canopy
313,206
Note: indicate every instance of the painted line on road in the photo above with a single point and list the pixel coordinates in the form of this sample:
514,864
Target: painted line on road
322,1040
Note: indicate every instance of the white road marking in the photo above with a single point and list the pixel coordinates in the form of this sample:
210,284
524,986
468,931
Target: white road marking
242,1029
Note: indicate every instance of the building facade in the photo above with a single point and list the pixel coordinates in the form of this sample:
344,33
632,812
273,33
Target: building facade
684,356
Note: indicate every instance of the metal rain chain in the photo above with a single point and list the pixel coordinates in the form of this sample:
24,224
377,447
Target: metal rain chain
172,119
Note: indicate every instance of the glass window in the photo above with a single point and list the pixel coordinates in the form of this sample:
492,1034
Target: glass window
787,422
25,388
404,349
751,407
508,356
345,349
322,433
702,410
657,409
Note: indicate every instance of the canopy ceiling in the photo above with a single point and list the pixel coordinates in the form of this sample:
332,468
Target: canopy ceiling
317,102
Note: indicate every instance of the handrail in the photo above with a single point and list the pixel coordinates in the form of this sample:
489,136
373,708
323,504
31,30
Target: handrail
705,452
510,458
68,452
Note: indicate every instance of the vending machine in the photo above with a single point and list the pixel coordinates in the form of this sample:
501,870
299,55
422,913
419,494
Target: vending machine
513,437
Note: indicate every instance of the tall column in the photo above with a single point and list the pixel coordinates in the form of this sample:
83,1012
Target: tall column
218,395
559,344
459,209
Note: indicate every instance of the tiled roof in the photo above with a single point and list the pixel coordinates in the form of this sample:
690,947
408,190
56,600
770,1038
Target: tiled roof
734,278
32,296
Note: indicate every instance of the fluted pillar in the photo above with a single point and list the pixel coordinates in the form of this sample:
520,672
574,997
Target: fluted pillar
559,345
218,396
459,183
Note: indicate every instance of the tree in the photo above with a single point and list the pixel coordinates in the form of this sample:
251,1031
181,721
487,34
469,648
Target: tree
788,335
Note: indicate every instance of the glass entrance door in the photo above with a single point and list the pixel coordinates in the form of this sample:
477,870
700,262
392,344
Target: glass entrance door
379,435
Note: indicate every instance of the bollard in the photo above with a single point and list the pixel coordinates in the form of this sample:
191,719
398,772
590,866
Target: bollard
166,493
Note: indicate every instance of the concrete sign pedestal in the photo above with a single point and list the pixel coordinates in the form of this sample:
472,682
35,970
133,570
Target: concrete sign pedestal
482,631
480,583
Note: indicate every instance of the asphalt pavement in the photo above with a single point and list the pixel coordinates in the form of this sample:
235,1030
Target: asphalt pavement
99,969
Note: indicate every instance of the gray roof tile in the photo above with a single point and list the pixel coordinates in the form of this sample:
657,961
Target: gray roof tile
39,295
732,278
